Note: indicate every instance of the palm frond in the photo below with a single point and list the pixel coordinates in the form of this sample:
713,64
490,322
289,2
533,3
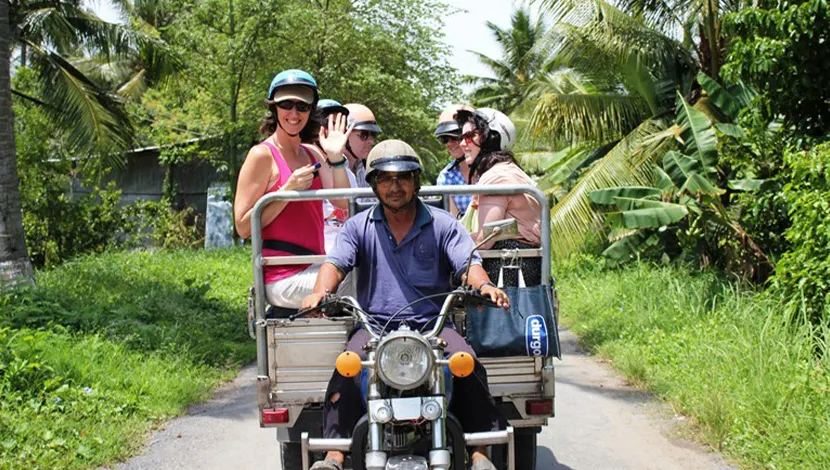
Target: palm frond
573,218
593,117
95,120
615,43
500,68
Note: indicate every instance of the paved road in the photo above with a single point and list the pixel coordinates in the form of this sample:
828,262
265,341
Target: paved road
601,424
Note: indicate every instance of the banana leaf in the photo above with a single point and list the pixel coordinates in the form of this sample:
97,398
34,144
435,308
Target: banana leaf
646,214
697,134
725,101
606,196
629,247
680,167
698,184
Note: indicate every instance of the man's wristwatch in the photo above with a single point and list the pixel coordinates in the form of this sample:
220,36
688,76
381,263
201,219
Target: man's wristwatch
487,283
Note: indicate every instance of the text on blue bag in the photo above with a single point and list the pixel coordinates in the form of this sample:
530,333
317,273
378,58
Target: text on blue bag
536,336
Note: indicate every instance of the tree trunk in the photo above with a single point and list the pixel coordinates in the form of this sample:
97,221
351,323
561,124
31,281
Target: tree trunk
14,258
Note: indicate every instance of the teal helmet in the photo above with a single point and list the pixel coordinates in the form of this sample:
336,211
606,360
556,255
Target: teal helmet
293,77
327,107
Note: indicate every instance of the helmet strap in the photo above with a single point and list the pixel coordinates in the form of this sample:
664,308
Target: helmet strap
474,167
276,118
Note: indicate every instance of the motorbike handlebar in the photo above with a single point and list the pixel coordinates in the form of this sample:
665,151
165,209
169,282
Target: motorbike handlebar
354,309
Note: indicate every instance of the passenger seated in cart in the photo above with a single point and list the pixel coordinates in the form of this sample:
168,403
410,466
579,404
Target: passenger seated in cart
404,250
487,136
287,161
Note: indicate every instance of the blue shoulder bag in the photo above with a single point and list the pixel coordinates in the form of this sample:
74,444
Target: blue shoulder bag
529,328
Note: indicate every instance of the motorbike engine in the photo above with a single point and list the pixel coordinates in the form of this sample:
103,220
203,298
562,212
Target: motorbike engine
408,438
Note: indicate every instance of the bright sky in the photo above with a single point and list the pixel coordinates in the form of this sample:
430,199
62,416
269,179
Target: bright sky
465,30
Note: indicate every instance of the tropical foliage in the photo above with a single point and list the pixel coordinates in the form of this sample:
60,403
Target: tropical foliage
521,70
189,78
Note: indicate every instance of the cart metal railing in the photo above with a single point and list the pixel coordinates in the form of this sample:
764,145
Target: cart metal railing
259,261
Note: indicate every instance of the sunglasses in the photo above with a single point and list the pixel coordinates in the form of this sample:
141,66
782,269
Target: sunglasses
288,105
469,136
387,179
445,139
366,135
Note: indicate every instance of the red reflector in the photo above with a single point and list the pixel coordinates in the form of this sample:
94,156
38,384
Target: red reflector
539,407
275,416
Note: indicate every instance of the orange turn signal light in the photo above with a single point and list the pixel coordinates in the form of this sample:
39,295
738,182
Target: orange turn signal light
461,364
348,364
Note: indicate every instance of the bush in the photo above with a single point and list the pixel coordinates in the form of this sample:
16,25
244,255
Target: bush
58,226
803,273
155,223
106,346
753,384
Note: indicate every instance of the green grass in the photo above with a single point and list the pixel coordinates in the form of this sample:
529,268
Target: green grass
107,346
756,385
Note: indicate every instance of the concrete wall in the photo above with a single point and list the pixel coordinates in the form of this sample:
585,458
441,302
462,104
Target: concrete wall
142,179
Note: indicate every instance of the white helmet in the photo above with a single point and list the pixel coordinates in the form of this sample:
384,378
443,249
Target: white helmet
500,123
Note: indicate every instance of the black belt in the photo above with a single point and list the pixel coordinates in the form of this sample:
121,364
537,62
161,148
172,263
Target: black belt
287,247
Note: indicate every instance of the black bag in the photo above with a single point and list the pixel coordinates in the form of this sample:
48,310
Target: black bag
528,329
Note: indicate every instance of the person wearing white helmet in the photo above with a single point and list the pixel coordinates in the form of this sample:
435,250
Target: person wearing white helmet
486,138
361,140
457,171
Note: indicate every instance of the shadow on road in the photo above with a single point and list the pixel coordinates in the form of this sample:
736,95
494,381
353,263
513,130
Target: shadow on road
547,461
609,385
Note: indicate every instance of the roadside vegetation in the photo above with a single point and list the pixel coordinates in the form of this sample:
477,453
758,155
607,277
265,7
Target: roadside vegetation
753,384
107,346
683,145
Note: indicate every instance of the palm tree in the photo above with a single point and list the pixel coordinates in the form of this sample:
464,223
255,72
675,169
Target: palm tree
14,259
646,55
516,72
49,33
635,73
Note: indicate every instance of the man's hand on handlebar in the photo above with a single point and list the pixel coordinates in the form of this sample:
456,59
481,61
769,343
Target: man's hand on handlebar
313,300
496,295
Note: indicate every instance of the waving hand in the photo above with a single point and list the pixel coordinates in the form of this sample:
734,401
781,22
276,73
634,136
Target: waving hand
333,139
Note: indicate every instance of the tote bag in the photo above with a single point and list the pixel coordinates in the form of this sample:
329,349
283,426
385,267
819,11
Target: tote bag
528,329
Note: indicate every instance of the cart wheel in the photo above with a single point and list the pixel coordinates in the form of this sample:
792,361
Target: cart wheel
291,456
525,450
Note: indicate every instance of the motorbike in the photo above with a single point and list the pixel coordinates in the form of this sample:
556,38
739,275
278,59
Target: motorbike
406,382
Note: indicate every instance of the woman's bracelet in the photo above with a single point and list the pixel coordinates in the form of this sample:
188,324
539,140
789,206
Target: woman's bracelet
339,164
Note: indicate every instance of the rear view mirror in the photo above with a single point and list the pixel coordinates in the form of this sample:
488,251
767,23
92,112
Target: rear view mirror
504,229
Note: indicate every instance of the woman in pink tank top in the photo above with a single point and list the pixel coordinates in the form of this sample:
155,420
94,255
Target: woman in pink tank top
283,161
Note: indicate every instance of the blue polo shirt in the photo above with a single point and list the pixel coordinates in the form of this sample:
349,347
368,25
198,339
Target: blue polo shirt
391,275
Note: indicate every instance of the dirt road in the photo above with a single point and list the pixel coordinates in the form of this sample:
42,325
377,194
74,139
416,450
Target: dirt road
600,424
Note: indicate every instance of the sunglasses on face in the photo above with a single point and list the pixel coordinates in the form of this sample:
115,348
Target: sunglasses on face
468,137
365,135
386,179
288,105
446,139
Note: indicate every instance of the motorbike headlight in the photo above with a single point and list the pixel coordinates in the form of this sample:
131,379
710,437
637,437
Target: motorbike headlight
404,360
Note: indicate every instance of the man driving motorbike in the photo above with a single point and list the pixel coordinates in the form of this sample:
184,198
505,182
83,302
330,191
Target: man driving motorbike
404,251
